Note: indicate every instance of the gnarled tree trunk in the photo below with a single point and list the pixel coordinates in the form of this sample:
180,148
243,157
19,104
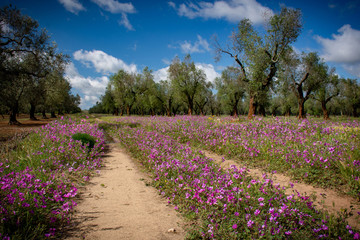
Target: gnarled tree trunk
13,112
355,114
32,112
302,114
235,111
325,111
252,107
262,111
44,114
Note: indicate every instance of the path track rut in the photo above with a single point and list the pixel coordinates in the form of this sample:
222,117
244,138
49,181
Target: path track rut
117,204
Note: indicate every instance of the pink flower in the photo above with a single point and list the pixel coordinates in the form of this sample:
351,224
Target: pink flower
250,223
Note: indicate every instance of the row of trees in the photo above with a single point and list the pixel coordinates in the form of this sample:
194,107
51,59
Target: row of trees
269,77
187,92
31,69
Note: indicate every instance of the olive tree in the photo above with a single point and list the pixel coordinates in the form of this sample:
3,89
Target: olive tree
258,55
26,55
187,80
306,73
230,89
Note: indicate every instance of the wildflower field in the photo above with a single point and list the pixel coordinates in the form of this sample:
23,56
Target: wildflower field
40,177
229,203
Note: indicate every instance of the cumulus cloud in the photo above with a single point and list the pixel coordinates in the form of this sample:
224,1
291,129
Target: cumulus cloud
102,62
89,88
343,48
116,7
161,74
72,6
209,70
232,10
201,45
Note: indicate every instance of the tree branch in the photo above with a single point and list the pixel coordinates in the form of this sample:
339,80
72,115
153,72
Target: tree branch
237,60
304,78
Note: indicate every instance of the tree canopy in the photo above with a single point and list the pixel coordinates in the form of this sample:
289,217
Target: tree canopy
28,62
258,55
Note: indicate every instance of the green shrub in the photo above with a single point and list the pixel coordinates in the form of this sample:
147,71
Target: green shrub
85,139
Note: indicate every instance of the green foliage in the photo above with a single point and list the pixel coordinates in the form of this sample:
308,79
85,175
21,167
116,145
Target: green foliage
188,81
97,108
85,139
31,68
231,90
258,55
350,96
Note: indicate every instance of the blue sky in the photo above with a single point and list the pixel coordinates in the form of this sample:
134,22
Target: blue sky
103,36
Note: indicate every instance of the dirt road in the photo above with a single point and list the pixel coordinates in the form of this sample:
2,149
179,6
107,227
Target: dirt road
118,204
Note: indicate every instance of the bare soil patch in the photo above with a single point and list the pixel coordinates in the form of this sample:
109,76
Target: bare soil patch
27,125
326,199
119,204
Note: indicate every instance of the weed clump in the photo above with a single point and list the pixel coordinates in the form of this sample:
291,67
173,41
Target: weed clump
85,139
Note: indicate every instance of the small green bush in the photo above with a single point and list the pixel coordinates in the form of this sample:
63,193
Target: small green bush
85,139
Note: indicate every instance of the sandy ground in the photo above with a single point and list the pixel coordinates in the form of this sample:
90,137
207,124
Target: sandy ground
325,198
8,131
118,204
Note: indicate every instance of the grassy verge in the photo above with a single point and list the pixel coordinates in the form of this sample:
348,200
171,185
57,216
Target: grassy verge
39,177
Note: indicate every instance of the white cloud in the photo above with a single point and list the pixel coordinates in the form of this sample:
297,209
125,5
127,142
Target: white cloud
90,89
103,62
232,10
134,47
172,4
116,7
72,6
125,22
343,48
209,70
201,45
161,74
166,61
354,69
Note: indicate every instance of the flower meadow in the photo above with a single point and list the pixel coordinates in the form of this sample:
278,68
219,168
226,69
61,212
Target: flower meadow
229,203
310,151
39,179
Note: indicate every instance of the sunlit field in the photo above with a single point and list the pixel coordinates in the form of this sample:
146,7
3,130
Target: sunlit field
228,203
41,174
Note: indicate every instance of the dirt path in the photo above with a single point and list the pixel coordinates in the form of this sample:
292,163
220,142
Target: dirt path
118,205
325,198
